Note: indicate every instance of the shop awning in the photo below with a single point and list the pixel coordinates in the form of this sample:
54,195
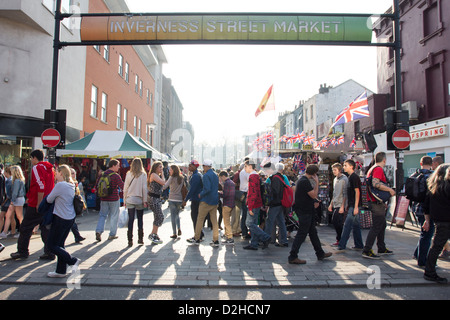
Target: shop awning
106,144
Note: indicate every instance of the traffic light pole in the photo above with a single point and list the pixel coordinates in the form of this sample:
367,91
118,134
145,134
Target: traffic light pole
56,47
399,155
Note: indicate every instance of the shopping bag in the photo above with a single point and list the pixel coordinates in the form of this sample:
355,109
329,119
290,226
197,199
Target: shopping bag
123,218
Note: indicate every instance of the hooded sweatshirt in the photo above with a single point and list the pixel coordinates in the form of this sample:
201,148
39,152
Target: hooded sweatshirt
42,181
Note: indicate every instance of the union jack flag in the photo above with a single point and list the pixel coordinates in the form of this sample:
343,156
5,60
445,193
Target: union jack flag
359,108
353,143
299,137
309,139
340,140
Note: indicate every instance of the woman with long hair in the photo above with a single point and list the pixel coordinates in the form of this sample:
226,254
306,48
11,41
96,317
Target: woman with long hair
63,218
437,208
175,183
17,200
155,185
135,198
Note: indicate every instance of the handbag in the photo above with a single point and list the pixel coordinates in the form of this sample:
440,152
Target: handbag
78,204
123,217
184,191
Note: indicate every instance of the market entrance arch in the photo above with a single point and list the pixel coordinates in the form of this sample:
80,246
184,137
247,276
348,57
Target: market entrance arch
226,28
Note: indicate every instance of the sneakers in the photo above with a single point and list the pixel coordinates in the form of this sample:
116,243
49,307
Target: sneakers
112,237
335,244
228,241
385,252
18,255
193,241
154,238
214,243
3,235
56,275
370,255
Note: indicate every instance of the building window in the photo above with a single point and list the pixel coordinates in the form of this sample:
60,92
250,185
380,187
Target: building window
106,52
311,108
432,20
125,117
136,84
104,105
94,92
119,116
148,97
127,72
151,99
139,127
97,48
120,65
141,87
135,126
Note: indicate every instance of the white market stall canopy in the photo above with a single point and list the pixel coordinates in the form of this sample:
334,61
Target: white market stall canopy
108,144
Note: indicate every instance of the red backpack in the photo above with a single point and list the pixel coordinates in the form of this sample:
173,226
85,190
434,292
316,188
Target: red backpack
288,195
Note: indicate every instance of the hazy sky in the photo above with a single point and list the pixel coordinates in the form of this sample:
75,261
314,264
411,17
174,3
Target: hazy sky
221,86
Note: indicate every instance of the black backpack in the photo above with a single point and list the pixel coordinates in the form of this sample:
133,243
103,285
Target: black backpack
416,186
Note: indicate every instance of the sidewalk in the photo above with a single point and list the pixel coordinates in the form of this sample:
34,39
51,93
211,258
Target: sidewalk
180,264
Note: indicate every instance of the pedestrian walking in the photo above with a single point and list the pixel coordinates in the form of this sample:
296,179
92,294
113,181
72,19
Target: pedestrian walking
275,215
209,200
378,209
195,187
155,185
305,195
62,220
243,188
354,201
110,203
424,243
338,202
229,204
135,198
15,208
41,184
254,204
7,201
74,229
175,183
437,207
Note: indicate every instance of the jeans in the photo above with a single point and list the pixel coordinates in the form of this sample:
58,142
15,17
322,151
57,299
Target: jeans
174,208
112,208
31,219
59,231
276,214
378,229
307,226
351,224
139,213
440,239
423,246
257,234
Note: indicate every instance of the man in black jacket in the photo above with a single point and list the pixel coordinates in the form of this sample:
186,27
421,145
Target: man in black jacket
276,210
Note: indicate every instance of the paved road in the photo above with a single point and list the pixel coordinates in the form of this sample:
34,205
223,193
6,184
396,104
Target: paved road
176,263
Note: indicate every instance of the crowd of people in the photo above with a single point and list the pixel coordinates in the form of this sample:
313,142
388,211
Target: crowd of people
261,198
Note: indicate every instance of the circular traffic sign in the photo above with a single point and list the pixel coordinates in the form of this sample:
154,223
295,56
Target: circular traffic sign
401,139
50,138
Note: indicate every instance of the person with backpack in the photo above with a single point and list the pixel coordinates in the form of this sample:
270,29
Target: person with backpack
276,210
416,190
437,207
108,190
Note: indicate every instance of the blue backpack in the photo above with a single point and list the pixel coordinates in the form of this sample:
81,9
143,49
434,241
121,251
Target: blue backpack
382,196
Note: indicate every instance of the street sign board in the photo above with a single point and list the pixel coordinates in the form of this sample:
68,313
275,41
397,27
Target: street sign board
50,138
401,139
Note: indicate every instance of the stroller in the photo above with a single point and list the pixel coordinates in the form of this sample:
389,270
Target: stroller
291,221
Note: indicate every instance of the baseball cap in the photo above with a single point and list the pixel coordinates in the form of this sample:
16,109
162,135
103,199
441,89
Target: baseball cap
207,163
195,163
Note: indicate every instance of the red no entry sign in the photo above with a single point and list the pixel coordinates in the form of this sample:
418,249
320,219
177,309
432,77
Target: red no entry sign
401,139
50,138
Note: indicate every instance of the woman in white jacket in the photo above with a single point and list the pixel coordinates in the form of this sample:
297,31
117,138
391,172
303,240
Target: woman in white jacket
63,217
135,198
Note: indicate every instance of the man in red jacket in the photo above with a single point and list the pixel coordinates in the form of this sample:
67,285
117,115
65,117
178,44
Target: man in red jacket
254,204
41,184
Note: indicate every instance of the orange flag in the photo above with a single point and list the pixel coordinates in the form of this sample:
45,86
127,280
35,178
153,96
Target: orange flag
267,103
